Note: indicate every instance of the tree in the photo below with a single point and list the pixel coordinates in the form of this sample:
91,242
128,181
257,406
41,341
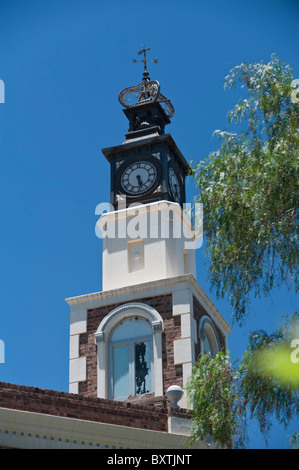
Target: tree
249,188
218,409
249,191
223,396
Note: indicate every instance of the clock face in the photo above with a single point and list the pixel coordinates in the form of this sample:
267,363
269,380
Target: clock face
139,177
174,184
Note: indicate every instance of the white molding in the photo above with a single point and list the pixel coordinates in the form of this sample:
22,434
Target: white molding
124,311
182,301
183,351
74,387
158,365
74,346
180,426
28,430
188,327
187,371
78,369
210,308
153,288
202,333
102,373
78,319
102,340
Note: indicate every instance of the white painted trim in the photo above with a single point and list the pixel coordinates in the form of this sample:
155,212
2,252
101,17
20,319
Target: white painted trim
158,365
188,327
78,369
78,319
182,301
102,376
102,340
183,351
153,288
180,426
123,311
210,332
28,430
74,346
74,387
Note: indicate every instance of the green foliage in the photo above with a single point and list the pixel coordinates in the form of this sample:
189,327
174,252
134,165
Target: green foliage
249,189
225,397
218,409
294,440
266,388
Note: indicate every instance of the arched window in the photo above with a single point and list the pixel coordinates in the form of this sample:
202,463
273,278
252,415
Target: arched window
129,346
209,337
207,347
131,358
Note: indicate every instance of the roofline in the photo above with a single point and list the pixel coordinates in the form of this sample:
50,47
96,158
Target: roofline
136,145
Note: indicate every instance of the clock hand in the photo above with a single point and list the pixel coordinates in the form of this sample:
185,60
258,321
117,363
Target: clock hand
139,180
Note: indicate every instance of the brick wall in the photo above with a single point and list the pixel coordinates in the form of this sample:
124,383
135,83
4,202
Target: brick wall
172,330
52,402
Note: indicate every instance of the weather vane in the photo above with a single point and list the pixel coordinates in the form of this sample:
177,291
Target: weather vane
144,60
147,91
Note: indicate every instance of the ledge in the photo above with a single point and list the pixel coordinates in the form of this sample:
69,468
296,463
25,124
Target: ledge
56,403
161,283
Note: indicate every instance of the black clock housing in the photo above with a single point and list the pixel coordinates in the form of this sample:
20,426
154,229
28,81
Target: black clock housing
148,149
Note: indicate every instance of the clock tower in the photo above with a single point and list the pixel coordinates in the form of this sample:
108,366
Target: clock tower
148,166
143,332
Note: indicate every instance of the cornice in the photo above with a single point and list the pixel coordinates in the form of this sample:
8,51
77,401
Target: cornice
152,285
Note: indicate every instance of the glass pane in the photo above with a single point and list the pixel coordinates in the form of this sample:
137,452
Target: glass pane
121,372
132,327
142,367
207,348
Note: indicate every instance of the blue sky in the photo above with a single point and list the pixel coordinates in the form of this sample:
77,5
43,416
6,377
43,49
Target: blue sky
63,64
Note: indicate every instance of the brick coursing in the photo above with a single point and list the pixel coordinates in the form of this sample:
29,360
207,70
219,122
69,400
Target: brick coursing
172,332
52,402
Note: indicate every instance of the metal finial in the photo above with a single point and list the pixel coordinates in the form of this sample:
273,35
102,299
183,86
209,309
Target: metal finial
147,91
145,60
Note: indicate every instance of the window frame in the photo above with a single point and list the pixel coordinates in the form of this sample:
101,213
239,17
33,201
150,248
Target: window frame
132,377
206,329
102,336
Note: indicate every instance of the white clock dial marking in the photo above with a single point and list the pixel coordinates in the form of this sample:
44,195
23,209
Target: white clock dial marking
139,177
174,185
